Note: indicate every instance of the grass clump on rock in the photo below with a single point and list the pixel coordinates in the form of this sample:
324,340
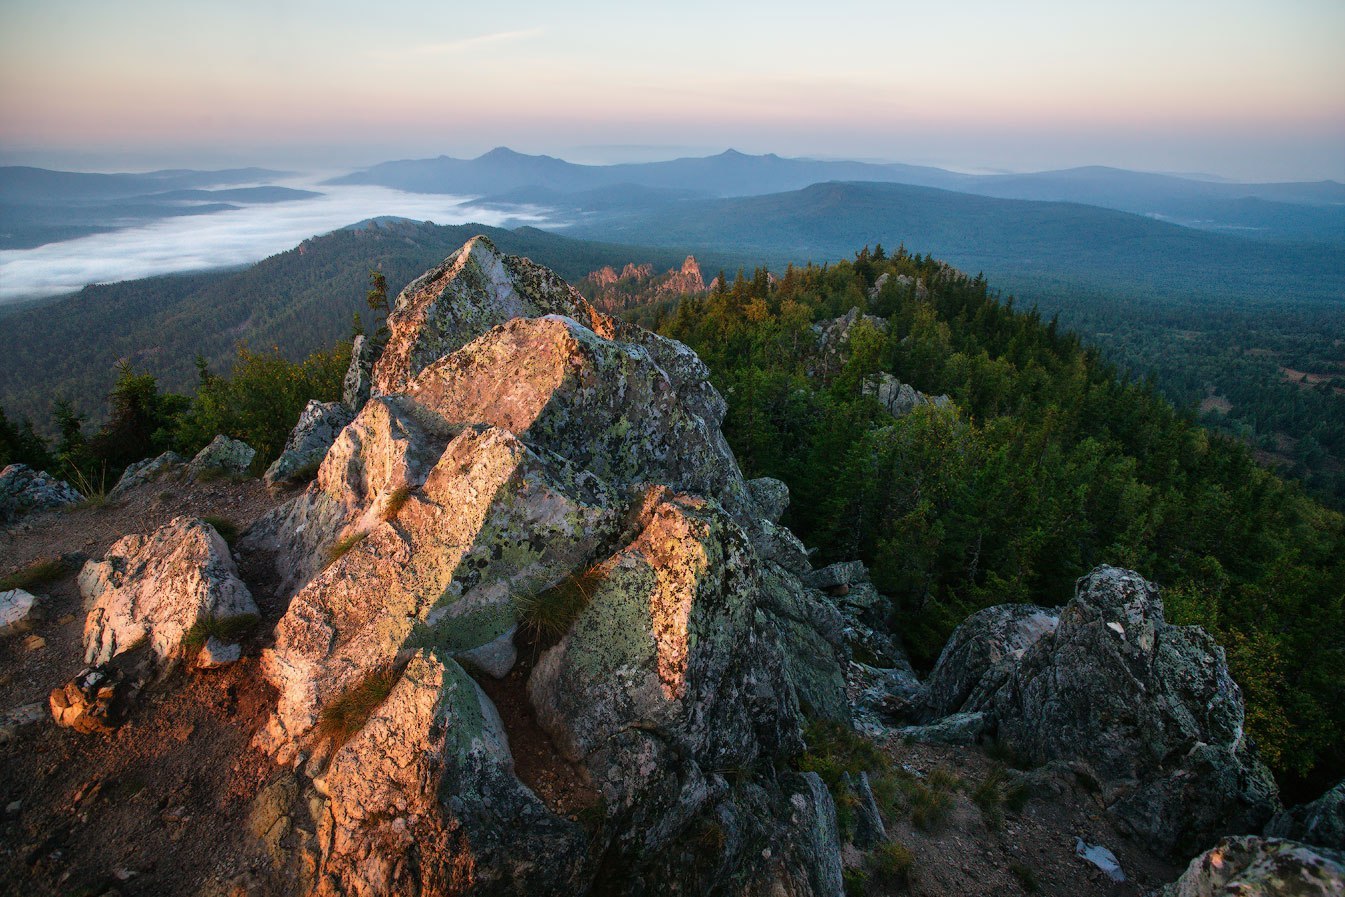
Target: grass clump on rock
225,629
345,716
547,615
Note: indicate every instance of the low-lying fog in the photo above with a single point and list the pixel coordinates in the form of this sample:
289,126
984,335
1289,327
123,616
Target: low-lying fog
223,239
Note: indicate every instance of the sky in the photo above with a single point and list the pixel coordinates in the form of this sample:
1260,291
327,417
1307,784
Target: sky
1247,89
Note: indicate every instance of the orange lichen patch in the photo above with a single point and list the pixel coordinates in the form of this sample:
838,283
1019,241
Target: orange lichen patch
680,540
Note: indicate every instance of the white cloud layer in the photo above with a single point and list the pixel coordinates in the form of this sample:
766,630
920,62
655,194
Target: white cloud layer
222,239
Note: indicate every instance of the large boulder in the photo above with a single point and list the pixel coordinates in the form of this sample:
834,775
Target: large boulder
318,426
23,489
157,587
981,654
391,831
490,521
145,471
1147,709
223,456
899,398
1249,866
1320,822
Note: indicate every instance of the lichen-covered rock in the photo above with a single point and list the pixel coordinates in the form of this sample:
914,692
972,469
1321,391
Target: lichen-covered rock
900,399
811,661
490,521
358,382
771,497
1249,866
838,575
17,607
423,800
319,425
144,471
475,289
157,587
1320,822
222,455
984,648
1149,708
601,404
23,489
959,728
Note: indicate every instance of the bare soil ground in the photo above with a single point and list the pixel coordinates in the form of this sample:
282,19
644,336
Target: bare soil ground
159,806
968,851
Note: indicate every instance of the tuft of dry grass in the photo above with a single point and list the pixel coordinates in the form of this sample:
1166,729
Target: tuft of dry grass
226,629
396,499
36,574
891,863
227,529
340,720
343,545
549,614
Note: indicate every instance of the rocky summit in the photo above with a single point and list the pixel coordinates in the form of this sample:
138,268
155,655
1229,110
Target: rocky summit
508,619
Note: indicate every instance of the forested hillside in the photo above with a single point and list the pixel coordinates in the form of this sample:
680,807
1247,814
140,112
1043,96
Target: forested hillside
300,301
1048,463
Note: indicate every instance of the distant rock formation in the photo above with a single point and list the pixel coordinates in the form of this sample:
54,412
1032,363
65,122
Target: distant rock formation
637,284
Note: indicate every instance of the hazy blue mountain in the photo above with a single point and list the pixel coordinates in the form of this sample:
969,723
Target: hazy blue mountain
1312,211
19,183
1005,238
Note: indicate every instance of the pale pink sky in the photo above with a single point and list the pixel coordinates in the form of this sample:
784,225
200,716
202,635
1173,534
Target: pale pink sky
1240,88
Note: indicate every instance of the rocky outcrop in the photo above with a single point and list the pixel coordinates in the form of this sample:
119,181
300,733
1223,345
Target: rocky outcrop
833,338
424,800
156,588
358,382
1320,822
319,425
980,656
1248,866
521,449
900,399
146,471
771,497
23,489
1144,709
229,457
17,608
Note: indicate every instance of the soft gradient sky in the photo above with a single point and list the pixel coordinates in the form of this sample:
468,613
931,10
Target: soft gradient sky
1251,89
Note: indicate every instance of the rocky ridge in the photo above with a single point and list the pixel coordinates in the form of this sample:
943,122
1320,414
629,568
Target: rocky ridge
521,489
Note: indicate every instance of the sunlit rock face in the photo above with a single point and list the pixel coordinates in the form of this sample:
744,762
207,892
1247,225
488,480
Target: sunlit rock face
517,440
391,831
154,588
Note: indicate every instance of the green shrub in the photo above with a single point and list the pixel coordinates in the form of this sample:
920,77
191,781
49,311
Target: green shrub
891,863
1026,877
